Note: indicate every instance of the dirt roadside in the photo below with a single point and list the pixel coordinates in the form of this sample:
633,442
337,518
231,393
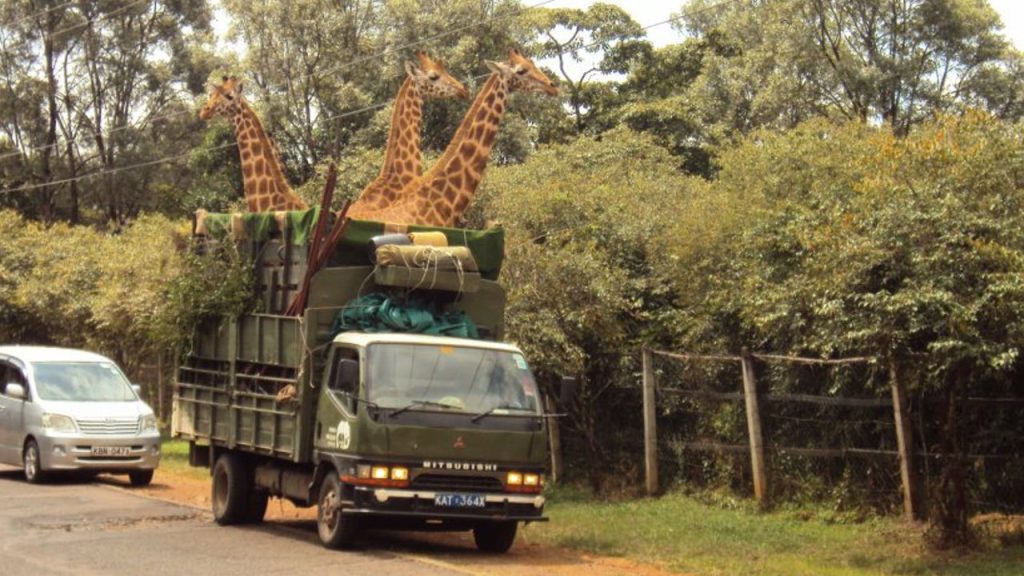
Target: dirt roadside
452,550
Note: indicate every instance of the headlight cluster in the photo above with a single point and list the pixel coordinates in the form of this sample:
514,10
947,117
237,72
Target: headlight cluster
58,423
379,475
523,482
147,423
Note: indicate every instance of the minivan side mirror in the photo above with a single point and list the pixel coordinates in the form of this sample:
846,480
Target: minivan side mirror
137,389
16,391
567,392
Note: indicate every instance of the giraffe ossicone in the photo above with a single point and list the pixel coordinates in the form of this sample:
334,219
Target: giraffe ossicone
263,180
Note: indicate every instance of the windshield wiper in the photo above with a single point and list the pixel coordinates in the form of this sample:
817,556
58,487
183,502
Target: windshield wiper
416,403
492,410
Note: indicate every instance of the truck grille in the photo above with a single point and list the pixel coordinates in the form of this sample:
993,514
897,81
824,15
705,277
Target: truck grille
108,426
446,482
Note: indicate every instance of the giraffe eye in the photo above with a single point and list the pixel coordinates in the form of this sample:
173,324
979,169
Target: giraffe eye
521,71
229,96
433,76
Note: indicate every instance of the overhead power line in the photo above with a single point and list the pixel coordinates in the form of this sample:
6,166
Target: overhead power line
345,66
177,157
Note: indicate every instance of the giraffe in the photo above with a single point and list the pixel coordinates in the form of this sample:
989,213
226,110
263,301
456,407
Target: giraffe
403,161
263,179
441,196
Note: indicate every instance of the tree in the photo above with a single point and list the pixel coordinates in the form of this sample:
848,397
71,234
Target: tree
893,61
583,291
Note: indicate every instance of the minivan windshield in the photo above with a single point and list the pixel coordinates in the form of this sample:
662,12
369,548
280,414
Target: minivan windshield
450,378
81,382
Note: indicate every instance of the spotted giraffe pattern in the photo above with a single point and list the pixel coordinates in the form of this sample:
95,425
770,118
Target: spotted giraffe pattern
442,195
263,181
403,160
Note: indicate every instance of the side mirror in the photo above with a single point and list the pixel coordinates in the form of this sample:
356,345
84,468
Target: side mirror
16,391
567,392
138,390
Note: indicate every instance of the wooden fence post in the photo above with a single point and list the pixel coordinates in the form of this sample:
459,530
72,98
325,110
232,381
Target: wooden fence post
904,442
650,427
555,441
754,429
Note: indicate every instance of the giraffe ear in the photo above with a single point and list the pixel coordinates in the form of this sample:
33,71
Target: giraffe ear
410,68
498,67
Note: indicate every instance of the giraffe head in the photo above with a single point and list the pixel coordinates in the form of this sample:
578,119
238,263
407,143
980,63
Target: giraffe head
225,99
432,78
523,75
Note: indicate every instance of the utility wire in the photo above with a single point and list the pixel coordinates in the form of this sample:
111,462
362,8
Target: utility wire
334,117
40,13
335,70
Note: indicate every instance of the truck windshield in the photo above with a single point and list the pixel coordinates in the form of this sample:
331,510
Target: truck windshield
450,378
81,382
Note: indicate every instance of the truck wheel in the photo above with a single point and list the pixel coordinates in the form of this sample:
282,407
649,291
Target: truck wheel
495,537
232,484
140,477
33,466
257,508
335,531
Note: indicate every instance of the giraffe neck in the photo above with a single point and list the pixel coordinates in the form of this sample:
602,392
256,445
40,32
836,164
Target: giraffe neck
459,170
403,161
263,179
403,155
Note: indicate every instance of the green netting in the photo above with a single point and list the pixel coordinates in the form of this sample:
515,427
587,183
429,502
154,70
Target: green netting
378,313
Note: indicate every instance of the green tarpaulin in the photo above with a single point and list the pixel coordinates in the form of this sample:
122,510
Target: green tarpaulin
487,246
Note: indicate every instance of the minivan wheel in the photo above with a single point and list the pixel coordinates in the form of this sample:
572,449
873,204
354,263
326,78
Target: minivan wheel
140,477
231,487
33,466
495,537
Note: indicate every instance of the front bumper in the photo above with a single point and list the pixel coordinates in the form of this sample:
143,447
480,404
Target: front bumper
75,452
420,504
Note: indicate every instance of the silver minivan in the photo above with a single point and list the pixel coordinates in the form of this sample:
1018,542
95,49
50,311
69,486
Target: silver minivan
63,409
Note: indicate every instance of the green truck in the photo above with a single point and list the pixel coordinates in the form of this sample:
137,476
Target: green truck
379,429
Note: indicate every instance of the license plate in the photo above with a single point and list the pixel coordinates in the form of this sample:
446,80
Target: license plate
111,451
459,500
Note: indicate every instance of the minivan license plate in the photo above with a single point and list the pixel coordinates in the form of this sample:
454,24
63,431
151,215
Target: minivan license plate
111,451
459,500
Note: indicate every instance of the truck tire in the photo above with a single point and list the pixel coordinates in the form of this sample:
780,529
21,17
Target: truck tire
232,484
334,529
257,508
495,537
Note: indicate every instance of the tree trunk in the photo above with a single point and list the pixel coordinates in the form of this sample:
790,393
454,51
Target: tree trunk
950,499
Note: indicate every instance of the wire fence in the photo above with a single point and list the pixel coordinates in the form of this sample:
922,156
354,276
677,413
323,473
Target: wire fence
789,428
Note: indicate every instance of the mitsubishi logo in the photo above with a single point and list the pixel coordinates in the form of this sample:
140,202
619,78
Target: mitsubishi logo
459,443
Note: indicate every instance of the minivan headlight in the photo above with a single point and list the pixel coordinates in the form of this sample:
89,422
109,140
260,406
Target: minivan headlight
58,423
147,423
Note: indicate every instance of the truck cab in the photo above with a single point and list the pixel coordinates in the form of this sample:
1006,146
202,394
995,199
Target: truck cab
431,432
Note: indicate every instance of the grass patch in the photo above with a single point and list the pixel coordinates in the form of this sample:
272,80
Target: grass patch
682,534
174,458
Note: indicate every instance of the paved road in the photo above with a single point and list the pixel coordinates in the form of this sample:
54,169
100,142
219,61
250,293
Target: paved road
69,528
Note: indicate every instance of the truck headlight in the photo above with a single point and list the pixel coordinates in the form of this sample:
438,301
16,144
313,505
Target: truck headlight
58,423
147,423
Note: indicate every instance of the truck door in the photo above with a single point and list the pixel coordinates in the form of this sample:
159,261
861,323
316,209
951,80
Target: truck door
343,385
